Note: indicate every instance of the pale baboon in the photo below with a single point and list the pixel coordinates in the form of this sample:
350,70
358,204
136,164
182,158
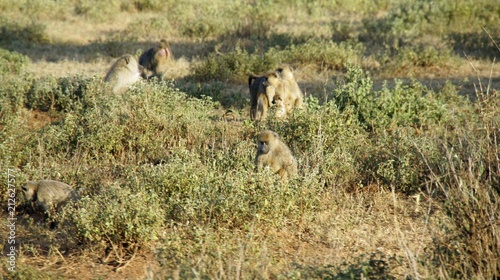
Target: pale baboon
278,85
48,195
280,110
293,97
273,153
155,60
124,72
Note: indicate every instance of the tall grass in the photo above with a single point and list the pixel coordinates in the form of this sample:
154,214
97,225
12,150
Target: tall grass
395,181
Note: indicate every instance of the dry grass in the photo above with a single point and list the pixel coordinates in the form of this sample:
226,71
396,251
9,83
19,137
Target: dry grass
338,230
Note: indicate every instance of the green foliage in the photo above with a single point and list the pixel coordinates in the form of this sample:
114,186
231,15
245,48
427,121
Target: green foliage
327,55
97,10
117,217
401,106
424,57
159,164
233,66
468,175
15,34
236,65
12,63
56,94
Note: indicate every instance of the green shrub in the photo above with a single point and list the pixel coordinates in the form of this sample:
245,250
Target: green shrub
327,55
426,57
117,217
233,66
97,10
403,105
12,63
468,178
14,34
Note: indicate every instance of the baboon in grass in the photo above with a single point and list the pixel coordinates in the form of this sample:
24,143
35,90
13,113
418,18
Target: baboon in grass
124,72
274,88
291,94
273,153
261,96
49,195
155,60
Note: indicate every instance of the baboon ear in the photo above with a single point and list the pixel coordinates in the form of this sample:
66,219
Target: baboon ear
24,188
127,59
275,135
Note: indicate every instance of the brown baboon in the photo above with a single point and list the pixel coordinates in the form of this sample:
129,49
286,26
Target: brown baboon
48,195
277,87
261,96
273,153
155,60
124,72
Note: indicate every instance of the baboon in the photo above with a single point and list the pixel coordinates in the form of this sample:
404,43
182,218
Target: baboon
261,96
49,195
273,153
278,85
155,60
293,95
124,72
280,110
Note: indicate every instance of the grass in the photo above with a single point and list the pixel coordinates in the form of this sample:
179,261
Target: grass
397,143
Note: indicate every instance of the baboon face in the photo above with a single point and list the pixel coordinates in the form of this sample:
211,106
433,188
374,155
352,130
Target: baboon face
266,141
285,72
29,190
280,106
272,80
162,53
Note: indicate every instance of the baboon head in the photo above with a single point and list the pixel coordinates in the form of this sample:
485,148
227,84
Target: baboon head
162,53
285,72
131,63
266,141
280,106
29,190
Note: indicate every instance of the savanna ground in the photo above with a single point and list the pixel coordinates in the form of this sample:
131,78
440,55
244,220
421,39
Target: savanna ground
398,143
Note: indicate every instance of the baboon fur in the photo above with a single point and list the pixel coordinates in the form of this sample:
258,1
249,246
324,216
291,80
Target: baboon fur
261,96
124,72
274,88
273,153
49,195
293,94
155,60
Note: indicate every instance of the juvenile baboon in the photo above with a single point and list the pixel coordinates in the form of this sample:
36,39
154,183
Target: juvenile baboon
280,107
278,85
273,153
124,72
48,195
155,60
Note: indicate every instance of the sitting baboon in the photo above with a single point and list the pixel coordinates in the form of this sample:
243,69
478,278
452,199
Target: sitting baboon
271,87
155,60
273,153
49,195
124,72
293,96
